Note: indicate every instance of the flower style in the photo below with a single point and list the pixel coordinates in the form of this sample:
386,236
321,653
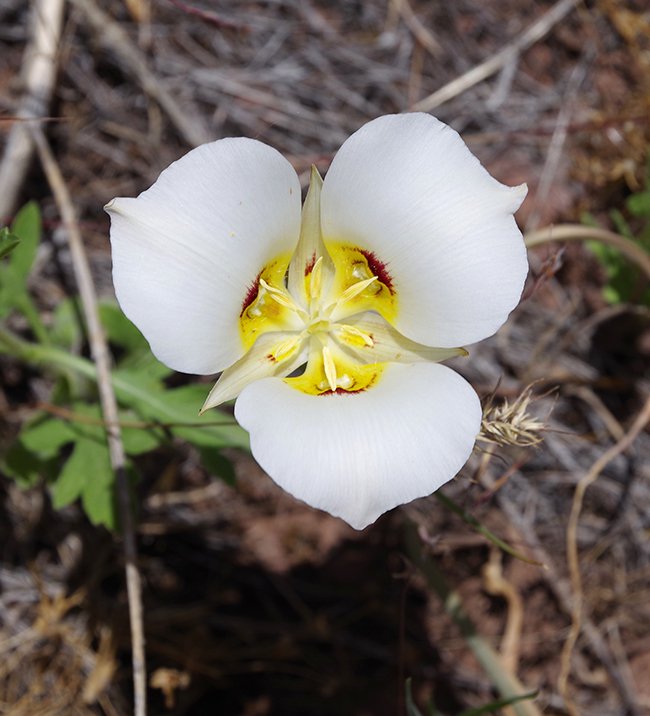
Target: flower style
328,324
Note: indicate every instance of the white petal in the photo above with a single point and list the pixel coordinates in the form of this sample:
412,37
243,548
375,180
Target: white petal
407,189
310,248
385,343
187,250
273,354
358,455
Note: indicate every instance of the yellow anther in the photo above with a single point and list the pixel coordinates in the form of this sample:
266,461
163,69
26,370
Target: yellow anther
355,290
354,335
286,348
281,297
330,368
316,280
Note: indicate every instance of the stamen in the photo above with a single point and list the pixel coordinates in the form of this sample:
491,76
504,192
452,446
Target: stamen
354,290
286,348
316,280
330,368
354,335
279,296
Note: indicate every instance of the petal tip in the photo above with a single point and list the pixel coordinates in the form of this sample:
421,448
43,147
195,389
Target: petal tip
315,176
518,194
115,206
210,401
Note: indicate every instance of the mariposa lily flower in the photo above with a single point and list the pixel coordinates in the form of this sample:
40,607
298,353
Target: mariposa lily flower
328,323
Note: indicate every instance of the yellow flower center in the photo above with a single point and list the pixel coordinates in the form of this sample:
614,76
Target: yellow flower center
317,324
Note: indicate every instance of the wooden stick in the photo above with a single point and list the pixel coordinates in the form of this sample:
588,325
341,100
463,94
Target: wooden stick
642,419
102,359
39,73
578,232
493,64
112,36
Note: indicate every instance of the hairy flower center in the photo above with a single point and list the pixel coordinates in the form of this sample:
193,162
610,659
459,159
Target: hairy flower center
318,324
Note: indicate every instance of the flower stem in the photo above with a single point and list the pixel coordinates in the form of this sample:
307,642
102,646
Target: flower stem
503,681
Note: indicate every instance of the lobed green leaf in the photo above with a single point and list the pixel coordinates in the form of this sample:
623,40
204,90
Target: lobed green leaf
8,242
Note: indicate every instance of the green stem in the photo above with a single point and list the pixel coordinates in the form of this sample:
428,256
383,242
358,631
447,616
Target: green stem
26,306
39,354
503,681
476,525
126,391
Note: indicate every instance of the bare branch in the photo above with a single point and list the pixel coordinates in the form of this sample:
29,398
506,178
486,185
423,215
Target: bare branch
102,359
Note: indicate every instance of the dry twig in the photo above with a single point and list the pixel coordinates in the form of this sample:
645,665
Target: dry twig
492,65
577,232
101,357
423,36
39,76
111,35
498,585
556,145
572,545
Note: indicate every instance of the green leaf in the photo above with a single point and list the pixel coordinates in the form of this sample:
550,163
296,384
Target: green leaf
186,402
8,242
46,437
15,271
100,501
218,464
136,440
152,371
179,409
639,204
411,708
23,466
87,474
620,224
120,330
498,704
72,478
27,227
140,440
66,325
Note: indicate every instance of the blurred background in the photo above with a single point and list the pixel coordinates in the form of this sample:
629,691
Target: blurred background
255,604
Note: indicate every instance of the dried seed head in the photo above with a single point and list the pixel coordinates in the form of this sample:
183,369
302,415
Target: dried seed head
510,423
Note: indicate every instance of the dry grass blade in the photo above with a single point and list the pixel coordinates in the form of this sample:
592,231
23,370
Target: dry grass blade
577,232
505,682
39,76
491,66
101,357
588,479
420,32
111,35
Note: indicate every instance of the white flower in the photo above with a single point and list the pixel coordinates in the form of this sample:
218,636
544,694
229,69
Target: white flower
407,250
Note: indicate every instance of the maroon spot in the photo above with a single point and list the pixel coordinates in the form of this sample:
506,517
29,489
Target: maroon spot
251,294
309,266
379,269
271,357
342,391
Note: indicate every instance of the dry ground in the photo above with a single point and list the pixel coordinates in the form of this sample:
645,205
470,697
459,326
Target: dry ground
255,604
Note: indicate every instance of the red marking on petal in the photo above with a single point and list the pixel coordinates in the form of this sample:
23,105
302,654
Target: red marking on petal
343,391
251,294
309,266
272,358
379,269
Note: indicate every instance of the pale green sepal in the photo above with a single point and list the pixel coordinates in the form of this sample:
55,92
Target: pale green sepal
270,356
386,344
310,245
